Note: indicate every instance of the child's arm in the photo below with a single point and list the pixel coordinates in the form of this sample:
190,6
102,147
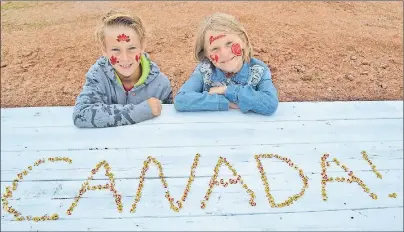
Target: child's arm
167,92
91,109
169,99
264,100
191,96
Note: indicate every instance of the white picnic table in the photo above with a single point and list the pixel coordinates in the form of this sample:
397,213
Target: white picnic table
300,131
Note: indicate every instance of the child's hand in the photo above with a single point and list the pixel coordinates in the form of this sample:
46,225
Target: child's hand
233,106
155,106
218,90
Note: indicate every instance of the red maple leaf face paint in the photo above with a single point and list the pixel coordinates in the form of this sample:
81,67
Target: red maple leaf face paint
113,60
122,37
213,38
137,57
214,58
236,49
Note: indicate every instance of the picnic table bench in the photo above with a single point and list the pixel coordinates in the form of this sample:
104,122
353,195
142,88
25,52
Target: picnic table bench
207,170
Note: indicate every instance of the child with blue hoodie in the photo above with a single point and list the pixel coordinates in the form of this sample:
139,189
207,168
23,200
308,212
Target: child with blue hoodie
227,75
124,86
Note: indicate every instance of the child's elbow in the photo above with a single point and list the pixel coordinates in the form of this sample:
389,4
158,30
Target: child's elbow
271,108
180,102
79,118
80,125
78,122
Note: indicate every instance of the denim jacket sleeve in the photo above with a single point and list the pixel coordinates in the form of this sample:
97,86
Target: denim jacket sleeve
192,97
264,100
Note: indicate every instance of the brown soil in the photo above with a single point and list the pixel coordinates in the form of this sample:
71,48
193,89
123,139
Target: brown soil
318,51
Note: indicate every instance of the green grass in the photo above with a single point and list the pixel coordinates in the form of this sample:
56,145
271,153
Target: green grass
37,25
32,25
16,5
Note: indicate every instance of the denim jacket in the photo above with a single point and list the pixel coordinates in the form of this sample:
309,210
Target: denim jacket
251,89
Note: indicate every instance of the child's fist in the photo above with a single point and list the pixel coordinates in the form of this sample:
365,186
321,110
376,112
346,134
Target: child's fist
218,90
155,106
233,106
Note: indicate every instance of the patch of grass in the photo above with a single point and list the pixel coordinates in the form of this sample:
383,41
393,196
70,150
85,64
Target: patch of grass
16,5
37,25
6,26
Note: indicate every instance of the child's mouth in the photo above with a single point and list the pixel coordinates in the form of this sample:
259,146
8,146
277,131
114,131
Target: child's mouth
223,62
126,66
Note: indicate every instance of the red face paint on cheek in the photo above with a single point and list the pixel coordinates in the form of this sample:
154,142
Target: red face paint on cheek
122,37
113,60
213,38
236,49
137,58
214,58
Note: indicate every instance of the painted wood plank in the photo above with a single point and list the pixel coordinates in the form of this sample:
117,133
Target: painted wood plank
177,163
206,134
60,172
276,170
358,219
38,198
386,149
178,137
238,153
287,111
284,181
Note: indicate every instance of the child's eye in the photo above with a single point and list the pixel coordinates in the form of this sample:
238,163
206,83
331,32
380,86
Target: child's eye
115,49
229,43
214,49
132,48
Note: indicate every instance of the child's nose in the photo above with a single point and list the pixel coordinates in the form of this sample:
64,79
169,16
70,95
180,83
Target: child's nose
124,56
225,52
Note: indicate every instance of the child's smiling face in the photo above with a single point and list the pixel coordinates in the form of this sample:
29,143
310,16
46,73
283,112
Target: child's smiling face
123,49
225,50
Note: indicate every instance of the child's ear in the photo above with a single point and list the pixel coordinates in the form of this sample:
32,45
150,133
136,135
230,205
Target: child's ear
103,50
143,46
243,44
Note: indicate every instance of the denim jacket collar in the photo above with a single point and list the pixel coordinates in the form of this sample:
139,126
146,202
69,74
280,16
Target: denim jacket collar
240,77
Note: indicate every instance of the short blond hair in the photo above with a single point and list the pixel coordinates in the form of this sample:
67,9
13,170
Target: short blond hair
117,18
223,23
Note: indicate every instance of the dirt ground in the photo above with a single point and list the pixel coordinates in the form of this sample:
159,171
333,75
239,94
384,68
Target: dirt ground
317,51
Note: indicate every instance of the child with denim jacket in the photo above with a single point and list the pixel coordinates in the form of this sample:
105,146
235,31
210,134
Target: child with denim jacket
124,86
227,75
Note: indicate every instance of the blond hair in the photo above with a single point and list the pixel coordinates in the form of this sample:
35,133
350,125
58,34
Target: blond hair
117,18
222,23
